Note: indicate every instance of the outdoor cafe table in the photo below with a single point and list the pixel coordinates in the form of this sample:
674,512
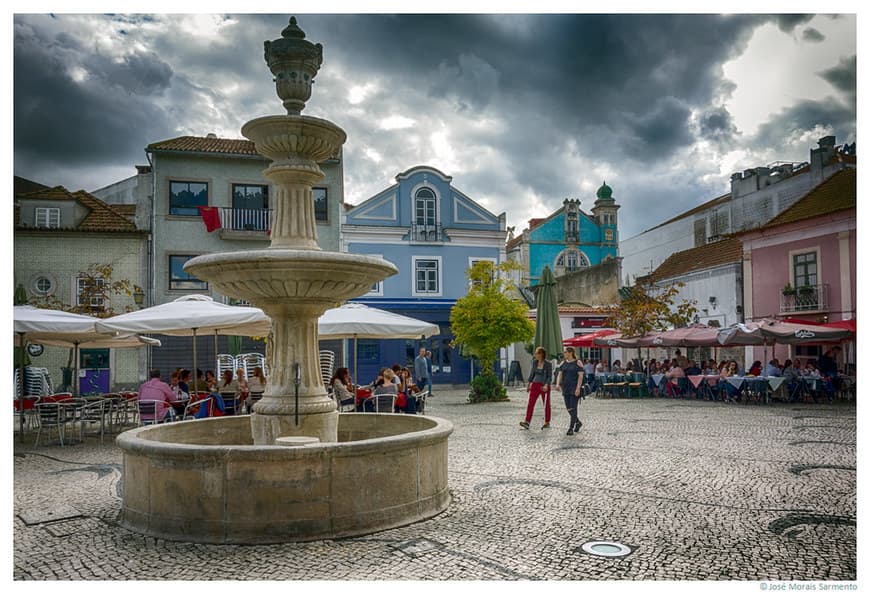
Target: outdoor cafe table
705,385
756,386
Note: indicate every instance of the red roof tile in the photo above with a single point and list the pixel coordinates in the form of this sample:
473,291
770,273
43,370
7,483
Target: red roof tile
101,216
199,144
718,253
838,192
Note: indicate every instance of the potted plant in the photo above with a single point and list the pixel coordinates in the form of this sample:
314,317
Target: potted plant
788,289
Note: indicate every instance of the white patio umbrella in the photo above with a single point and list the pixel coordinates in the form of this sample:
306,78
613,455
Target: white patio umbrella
59,328
188,315
356,320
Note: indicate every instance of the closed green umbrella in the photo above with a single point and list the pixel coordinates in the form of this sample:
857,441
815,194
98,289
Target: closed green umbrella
548,330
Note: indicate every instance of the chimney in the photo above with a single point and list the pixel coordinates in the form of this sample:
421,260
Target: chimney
822,156
827,141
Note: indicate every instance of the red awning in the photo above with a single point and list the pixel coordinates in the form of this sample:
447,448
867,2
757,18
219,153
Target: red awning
586,340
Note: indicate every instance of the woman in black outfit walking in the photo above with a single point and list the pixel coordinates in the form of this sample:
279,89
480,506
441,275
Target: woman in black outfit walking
569,380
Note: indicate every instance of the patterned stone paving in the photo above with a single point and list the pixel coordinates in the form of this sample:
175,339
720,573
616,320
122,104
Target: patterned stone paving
696,490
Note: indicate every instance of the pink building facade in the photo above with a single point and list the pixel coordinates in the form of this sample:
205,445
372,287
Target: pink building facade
803,265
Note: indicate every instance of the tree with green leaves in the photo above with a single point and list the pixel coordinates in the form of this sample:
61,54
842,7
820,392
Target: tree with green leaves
487,319
647,307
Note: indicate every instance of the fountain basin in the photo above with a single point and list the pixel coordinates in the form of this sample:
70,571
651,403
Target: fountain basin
204,481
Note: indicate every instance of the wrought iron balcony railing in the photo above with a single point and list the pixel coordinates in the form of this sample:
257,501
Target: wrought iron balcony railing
426,233
803,299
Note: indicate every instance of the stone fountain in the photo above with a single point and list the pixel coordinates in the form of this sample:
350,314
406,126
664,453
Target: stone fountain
234,479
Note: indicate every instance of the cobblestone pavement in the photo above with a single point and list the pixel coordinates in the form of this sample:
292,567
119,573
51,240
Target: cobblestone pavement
697,490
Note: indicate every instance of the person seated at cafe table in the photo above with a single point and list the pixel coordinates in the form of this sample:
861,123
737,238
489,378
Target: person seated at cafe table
155,389
257,381
755,370
772,369
228,384
406,401
675,373
383,385
791,375
211,381
692,369
342,386
730,370
616,367
183,386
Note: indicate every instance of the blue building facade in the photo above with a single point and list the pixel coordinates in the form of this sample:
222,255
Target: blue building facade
569,239
433,233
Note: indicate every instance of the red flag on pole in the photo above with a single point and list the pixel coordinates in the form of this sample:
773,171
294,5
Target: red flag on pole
211,217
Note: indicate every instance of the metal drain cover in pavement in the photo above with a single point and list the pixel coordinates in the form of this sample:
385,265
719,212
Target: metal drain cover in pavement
603,548
41,515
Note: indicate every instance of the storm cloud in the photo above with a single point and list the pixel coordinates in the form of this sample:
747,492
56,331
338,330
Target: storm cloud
522,110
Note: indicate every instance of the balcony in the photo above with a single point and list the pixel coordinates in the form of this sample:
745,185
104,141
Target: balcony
811,298
427,233
245,223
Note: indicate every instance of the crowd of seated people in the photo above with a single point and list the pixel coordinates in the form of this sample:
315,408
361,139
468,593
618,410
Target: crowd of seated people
390,380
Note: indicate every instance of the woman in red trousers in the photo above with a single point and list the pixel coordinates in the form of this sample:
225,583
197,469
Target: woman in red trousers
539,385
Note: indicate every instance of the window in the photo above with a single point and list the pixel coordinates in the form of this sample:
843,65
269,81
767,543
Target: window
700,232
378,287
424,207
250,208
43,286
47,218
572,228
492,273
368,351
805,269
426,276
179,280
184,197
250,196
321,204
569,261
90,293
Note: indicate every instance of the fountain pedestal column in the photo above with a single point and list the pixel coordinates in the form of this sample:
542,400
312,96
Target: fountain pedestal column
293,221
294,338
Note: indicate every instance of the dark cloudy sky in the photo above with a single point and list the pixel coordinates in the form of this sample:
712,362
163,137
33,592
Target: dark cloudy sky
522,110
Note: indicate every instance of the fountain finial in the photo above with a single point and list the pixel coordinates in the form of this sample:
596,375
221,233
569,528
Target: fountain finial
294,61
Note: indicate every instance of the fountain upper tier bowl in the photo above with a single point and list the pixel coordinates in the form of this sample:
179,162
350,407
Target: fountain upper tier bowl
278,274
291,139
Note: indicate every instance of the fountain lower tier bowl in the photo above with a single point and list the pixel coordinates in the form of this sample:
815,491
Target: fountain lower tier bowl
280,274
204,481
